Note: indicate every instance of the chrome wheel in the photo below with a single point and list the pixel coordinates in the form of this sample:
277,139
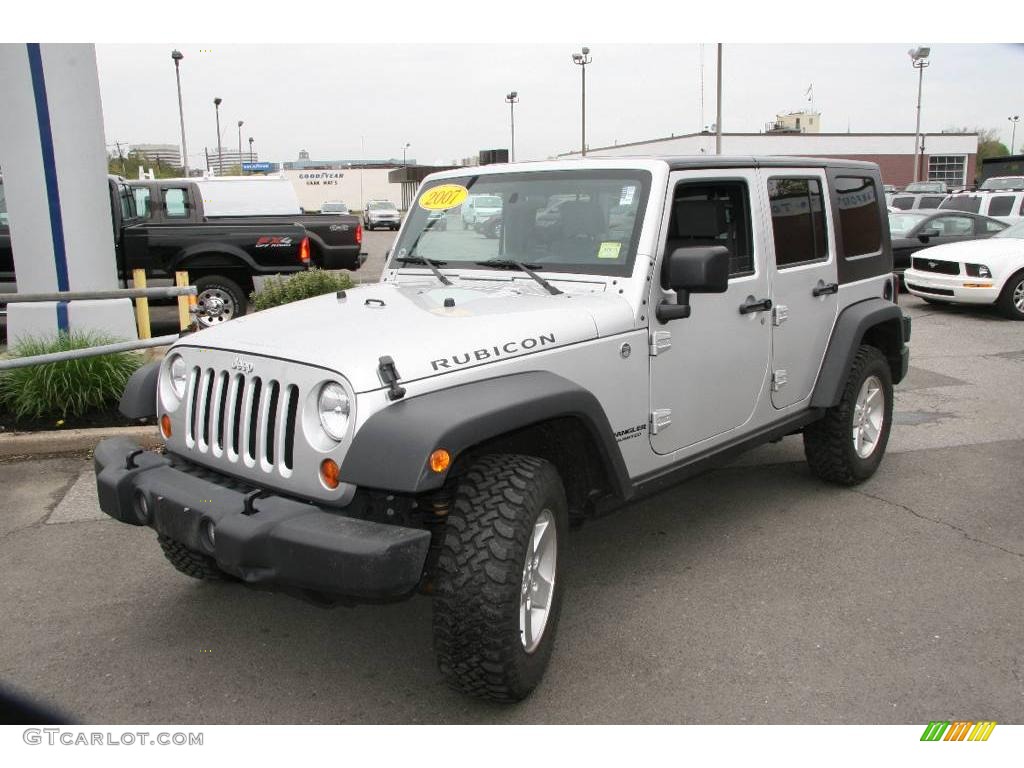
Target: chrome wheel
538,585
215,306
1018,296
868,415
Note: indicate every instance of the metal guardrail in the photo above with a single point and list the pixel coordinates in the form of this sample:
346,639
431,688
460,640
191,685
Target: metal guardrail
186,316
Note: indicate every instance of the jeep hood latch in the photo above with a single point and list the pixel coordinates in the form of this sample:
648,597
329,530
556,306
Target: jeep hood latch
389,375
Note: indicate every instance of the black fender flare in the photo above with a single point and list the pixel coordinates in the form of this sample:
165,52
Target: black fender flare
188,256
876,316
138,401
391,450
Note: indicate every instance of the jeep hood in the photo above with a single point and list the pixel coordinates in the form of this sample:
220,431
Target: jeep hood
411,324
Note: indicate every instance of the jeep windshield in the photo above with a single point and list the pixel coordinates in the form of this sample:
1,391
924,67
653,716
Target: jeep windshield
580,221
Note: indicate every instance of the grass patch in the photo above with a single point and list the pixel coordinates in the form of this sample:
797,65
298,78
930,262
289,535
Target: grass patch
302,285
69,388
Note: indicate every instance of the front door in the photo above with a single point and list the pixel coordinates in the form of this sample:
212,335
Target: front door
805,287
708,370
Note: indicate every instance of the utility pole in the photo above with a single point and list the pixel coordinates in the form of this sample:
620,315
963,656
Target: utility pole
124,172
718,119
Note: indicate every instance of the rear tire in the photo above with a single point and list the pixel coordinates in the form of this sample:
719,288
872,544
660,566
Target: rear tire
191,563
846,445
222,296
1011,300
497,587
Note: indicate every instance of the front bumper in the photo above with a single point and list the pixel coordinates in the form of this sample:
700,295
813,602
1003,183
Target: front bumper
265,540
932,285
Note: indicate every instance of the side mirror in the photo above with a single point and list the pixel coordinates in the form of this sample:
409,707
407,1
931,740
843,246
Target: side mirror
925,235
700,269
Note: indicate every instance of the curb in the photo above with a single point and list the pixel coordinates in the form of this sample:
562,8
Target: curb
72,440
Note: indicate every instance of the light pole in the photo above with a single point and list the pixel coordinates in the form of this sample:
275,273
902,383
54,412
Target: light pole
1013,133
919,60
240,124
220,151
513,99
718,118
250,149
582,59
407,145
178,56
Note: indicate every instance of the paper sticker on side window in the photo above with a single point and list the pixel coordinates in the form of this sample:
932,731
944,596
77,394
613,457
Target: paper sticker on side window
627,195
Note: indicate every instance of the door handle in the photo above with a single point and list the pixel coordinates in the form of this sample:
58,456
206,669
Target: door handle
755,305
821,289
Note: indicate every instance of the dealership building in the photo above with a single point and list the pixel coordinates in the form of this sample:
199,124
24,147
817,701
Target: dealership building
949,157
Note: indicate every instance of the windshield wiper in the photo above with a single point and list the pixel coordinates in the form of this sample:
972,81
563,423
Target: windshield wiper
513,264
429,262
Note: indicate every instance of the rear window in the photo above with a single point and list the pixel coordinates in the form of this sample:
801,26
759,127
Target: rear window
903,203
1000,205
969,203
860,226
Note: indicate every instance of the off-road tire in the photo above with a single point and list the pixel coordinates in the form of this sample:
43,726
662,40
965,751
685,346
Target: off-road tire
190,562
828,442
479,576
1005,303
228,286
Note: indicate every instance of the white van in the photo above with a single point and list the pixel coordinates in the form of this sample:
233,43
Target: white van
1006,206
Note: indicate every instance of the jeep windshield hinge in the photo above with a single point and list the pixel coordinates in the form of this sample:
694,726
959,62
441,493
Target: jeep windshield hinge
661,341
389,376
660,419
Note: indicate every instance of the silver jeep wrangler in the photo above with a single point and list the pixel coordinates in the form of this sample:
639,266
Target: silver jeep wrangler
635,322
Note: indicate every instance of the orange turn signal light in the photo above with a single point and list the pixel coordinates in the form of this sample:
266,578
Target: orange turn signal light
440,460
165,426
330,473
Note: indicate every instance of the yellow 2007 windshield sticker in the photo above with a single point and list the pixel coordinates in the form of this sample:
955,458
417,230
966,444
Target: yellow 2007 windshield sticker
443,197
609,250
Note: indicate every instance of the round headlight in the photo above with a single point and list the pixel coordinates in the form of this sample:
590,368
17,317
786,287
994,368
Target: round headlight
334,408
178,376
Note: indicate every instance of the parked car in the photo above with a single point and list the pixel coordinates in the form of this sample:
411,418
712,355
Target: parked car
906,201
911,231
1006,206
381,214
437,221
225,232
997,183
479,208
927,186
334,206
436,433
491,227
981,272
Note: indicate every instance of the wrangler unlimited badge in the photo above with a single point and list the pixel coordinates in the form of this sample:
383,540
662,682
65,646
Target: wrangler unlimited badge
507,349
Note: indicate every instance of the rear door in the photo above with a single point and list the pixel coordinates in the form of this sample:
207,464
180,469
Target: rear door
803,276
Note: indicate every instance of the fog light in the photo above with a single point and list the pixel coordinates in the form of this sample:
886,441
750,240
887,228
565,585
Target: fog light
440,460
209,534
165,426
330,473
141,507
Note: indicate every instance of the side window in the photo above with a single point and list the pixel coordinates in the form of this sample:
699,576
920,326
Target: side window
903,203
1000,205
859,222
994,226
176,202
713,213
931,201
798,220
142,201
953,225
125,198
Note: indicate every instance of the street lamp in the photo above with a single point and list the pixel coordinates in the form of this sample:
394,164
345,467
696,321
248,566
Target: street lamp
513,99
1013,133
220,151
919,60
407,145
240,124
583,58
250,149
177,56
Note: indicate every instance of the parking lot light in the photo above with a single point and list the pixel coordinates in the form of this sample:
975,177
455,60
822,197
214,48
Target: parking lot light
582,59
919,60
512,99
240,124
1013,133
220,151
177,56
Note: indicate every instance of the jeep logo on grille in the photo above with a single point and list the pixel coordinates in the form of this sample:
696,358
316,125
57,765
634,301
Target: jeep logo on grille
238,364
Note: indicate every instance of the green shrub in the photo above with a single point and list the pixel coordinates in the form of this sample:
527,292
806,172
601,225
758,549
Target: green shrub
302,285
69,388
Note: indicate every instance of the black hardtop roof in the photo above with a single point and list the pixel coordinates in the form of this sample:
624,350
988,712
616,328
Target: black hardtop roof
679,163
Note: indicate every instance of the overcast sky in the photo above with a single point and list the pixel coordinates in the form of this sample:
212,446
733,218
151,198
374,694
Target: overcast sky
447,100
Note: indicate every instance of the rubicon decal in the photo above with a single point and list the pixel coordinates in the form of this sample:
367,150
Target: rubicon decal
268,241
508,349
958,730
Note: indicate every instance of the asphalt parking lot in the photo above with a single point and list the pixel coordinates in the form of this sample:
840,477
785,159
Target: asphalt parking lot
753,594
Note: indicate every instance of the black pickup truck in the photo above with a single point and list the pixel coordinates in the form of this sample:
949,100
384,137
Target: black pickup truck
166,225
